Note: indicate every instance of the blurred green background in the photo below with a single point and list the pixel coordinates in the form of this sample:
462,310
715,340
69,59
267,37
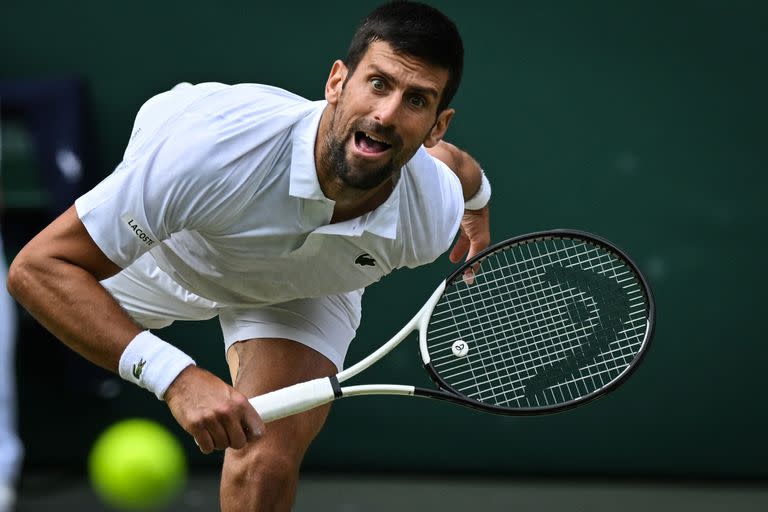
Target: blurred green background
644,122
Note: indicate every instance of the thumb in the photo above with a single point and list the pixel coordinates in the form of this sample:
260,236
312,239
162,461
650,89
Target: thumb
253,426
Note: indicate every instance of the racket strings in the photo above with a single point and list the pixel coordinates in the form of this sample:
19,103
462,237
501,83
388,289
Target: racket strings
546,322
538,303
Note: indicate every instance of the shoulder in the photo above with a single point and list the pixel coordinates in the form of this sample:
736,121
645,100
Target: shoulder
220,107
247,103
428,175
213,123
430,171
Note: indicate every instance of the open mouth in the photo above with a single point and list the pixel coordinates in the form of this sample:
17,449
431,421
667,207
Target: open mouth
370,144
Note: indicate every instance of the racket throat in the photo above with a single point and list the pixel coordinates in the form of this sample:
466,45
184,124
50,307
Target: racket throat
377,389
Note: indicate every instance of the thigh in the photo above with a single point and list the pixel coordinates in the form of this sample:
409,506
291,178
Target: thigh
261,365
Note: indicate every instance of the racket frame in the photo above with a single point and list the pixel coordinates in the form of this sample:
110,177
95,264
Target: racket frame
307,395
445,392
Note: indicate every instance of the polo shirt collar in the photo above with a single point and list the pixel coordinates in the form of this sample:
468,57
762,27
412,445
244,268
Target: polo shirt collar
304,183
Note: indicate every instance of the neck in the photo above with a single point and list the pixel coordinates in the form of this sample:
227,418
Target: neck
350,202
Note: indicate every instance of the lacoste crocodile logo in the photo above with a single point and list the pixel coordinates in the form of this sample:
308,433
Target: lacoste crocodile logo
365,260
138,368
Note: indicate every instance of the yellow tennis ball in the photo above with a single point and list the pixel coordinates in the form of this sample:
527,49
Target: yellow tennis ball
137,464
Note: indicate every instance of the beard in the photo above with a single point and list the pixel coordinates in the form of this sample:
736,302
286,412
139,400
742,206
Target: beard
352,177
336,158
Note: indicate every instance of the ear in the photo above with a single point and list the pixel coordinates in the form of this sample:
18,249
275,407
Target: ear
335,82
438,130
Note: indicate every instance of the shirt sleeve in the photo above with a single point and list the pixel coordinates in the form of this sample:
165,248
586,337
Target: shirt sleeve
436,205
174,176
453,200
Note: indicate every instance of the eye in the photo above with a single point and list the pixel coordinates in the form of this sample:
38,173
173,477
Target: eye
378,84
417,101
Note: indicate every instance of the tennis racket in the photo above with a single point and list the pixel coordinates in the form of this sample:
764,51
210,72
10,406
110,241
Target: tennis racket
536,324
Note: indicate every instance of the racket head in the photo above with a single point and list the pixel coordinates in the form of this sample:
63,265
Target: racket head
551,320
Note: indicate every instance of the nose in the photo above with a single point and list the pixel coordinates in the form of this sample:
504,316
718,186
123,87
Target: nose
386,109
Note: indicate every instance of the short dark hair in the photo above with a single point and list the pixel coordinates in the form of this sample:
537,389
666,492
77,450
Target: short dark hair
417,30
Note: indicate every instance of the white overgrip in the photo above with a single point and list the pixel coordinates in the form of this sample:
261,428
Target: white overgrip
293,399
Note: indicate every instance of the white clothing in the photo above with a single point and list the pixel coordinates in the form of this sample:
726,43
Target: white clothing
218,184
154,300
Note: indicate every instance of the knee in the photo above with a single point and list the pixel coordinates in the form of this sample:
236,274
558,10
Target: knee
259,477
257,465
276,457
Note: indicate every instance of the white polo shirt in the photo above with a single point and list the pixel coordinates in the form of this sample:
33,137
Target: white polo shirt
219,184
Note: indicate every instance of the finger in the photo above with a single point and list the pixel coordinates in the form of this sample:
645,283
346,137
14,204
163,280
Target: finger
474,248
218,434
252,423
469,276
203,440
460,249
237,436
235,432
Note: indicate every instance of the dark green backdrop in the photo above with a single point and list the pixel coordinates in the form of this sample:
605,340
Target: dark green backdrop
642,121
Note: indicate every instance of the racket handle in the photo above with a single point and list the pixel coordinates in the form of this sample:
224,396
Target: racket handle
293,399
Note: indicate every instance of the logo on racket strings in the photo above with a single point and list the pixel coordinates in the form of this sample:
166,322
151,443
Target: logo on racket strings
460,348
611,306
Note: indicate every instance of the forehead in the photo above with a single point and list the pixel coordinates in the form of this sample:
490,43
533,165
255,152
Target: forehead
411,70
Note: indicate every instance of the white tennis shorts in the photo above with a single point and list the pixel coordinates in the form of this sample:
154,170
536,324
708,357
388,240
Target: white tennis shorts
154,300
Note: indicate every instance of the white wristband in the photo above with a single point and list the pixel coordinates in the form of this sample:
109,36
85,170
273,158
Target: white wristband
481,197
152,363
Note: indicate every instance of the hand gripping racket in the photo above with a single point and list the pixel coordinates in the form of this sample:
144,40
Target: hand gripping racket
536,324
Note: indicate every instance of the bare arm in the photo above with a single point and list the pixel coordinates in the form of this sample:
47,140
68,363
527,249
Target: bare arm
475,225
56,278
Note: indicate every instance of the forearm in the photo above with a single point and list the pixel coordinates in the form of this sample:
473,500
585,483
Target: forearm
69,302
56,278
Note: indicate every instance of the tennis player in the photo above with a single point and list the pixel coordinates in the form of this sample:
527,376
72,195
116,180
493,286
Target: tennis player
273,213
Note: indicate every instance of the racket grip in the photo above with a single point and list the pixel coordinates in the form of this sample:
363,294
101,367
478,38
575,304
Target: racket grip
293,399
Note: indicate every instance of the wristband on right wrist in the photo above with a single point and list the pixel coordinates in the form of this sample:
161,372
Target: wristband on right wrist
152,363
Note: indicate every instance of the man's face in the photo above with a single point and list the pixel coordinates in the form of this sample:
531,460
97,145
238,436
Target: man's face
384,112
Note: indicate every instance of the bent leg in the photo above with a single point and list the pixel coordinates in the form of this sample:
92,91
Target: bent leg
263,475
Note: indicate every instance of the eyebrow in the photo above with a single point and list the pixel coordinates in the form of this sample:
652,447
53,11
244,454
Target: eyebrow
424,91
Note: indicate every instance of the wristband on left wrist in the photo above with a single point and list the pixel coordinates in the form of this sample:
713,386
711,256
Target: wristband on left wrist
481,197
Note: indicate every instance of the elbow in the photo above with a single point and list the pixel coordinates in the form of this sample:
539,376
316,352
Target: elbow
20,275
14,280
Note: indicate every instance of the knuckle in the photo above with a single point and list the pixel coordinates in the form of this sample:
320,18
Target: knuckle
237,403
197,423
220,413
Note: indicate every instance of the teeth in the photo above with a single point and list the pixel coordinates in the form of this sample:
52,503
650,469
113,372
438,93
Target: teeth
374,138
